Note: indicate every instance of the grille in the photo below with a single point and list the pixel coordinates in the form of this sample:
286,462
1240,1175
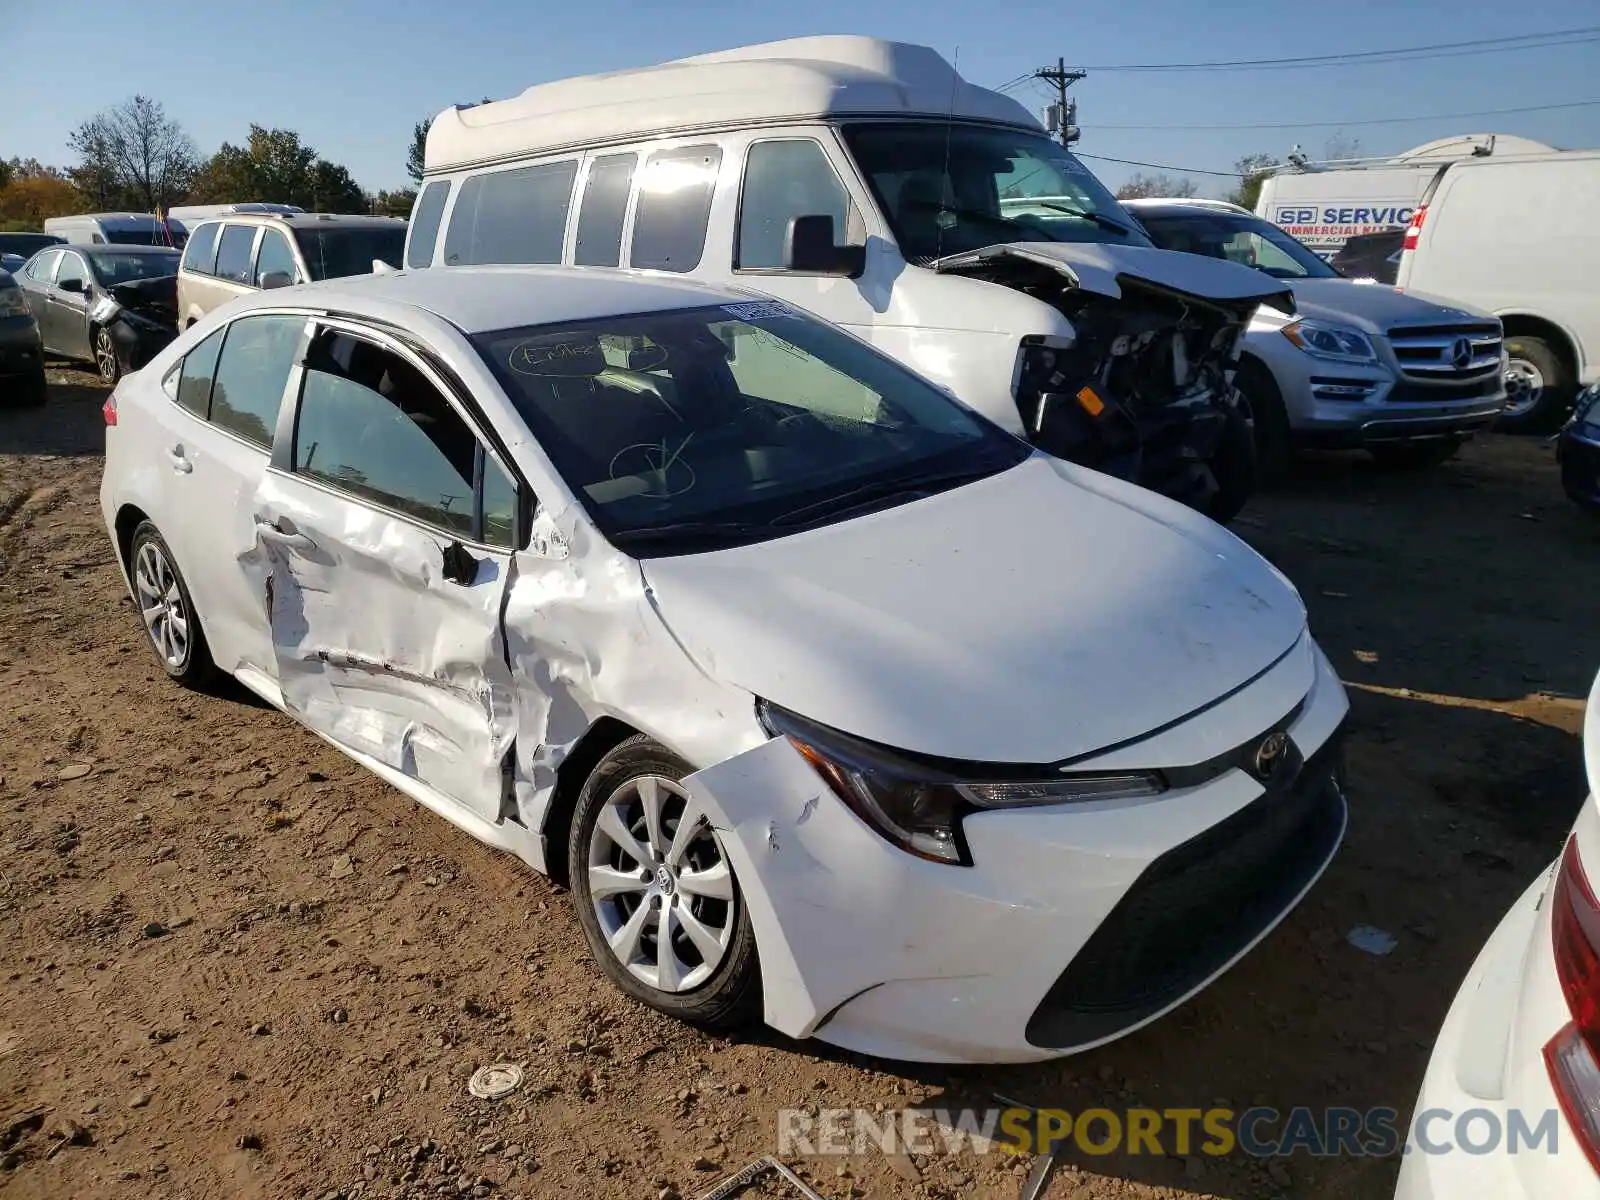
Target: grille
1434,351
1196,907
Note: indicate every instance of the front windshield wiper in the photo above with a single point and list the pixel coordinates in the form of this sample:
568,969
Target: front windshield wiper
1087,214
878,490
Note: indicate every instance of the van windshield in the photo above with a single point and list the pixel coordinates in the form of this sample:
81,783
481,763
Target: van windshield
336,253
947,189
702,428
155,236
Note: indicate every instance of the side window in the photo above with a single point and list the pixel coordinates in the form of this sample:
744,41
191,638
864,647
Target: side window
425,218
257,357
274,255
499,506
43,268
199,368
200,255
783,180
516,216
71,268
234,252
669,224
372,425
605,204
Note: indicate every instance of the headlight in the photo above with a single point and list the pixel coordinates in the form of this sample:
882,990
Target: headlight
13,303
918,804
1330,341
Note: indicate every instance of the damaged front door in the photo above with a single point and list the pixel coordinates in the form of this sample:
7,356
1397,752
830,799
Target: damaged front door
386,530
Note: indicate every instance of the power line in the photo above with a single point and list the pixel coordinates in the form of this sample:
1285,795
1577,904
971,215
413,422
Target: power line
1526,41
1130,162
1488,112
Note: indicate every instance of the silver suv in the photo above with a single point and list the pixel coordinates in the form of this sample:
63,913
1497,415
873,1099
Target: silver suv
1361,365
236,255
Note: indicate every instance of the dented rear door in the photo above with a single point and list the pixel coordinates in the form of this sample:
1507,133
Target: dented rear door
384,534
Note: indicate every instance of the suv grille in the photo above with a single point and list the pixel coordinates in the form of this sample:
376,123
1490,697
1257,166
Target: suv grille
1447,352
1196,907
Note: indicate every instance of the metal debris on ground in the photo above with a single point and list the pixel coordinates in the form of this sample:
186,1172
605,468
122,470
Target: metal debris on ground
750,1173
1044,1165
1371,939
495,1081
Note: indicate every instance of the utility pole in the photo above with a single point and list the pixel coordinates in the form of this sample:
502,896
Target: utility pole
1062,115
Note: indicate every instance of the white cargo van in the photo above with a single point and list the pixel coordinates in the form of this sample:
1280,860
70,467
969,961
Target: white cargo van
1518,237
867,182
109,229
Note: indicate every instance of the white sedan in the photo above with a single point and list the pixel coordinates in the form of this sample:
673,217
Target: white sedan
1510,1104
834,703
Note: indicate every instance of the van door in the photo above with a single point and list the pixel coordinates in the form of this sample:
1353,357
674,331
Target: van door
387,527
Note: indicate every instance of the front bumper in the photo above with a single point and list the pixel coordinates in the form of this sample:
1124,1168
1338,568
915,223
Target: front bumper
1580,468
873,950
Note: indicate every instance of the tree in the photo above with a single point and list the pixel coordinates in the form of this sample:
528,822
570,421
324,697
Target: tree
276,166
1341,145
28,200
134,153
394,204
333,190
1163,185
1253,169
419,145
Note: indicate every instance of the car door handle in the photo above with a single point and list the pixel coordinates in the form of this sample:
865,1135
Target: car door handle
180,461
278,535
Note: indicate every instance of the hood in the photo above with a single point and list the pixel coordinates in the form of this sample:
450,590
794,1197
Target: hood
1034,616
1097,267
1374,307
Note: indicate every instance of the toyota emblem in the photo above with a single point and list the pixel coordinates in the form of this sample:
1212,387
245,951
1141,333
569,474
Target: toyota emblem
1271,754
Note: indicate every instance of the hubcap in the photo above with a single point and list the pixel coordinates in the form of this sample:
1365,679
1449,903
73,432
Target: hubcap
166,618
105,355
660,885
1524,386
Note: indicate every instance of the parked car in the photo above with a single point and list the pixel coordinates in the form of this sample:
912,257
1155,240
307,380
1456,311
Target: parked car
1505,235
62,285
21,357
833,701
141,318
110,229
1522,1040
1578,450
17,248
250,251
1370,256
867,182
1401,376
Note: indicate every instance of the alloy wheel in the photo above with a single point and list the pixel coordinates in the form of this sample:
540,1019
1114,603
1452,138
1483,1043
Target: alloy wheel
105,355
660,885
161,605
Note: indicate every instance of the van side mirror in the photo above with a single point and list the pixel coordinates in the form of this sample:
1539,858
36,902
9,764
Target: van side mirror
275,279
808,247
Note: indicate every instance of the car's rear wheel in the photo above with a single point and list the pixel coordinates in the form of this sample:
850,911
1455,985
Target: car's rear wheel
162,597
655,892
1539,386
105,355
1415,455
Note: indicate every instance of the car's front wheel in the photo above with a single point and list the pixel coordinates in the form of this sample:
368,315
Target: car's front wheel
655,891
105,355
165,609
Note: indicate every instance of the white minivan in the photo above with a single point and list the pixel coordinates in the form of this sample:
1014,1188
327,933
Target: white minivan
869,183
109,229
1518,237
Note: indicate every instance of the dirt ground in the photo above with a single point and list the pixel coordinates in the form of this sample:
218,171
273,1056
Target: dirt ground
236,965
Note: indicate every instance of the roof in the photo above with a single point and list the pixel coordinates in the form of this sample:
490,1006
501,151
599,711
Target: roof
116,248
479,299
101,217
306,220
801,78
1186,202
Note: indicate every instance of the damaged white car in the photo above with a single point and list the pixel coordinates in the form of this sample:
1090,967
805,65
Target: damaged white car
835,703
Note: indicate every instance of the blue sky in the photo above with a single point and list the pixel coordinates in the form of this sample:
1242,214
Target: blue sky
352,77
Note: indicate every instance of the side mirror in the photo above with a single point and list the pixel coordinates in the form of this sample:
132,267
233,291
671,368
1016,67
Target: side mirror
72,285
808,247
379,267
275,279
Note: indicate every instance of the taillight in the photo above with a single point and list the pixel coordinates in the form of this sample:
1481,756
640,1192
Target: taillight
109,409
1414,229
1573,1056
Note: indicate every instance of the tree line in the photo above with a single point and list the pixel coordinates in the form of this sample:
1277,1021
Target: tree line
134,157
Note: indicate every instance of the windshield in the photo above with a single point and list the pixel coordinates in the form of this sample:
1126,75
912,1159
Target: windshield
1236,237
137,237
707,427
111,268
336,253
946,189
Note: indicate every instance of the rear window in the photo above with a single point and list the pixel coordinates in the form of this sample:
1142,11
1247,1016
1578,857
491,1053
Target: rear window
336,253
425,219
517,216
669,224
201,253
26,244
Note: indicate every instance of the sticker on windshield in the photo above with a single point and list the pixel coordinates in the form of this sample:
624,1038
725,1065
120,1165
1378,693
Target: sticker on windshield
758,310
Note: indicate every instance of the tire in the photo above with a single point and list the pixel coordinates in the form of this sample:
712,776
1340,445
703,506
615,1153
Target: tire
1233,466
714,993
1539,387
174,634
1274,442
105,355
1412,456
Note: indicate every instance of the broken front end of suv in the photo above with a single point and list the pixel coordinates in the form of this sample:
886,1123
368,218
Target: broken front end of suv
1144,388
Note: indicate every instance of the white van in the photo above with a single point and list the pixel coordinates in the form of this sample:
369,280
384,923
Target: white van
867,182
109,229
1518,238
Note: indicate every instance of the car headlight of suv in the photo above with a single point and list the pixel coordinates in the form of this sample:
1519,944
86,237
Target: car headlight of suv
13,303
1330,341
918,803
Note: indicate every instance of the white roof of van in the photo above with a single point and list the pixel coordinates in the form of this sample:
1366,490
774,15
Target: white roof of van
796,79
105,218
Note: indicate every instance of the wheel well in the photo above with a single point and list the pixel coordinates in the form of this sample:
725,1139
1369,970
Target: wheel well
128,518
1518,325
600,739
